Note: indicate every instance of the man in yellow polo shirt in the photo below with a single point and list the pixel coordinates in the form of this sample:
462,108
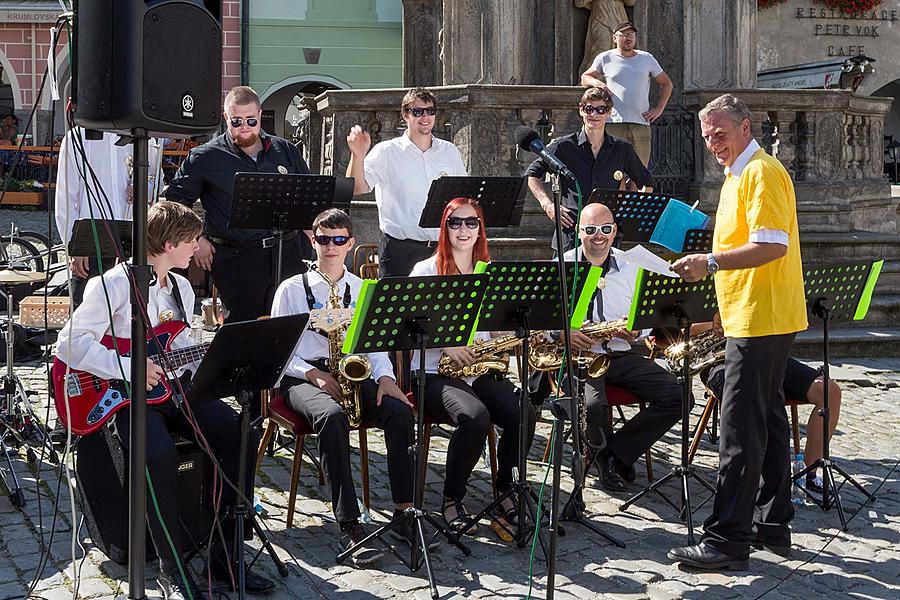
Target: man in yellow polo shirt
759,286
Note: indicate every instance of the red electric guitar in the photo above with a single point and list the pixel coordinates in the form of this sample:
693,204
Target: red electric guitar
93,400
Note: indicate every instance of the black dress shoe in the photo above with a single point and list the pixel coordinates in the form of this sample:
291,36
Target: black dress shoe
610,477
626,471
779,549
253,583
707,558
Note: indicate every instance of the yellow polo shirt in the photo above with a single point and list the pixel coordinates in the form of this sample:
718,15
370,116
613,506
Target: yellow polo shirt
770,299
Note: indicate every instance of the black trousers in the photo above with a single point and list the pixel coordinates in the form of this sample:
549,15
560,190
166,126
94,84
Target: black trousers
220,426
650,383
472,409
753,489
332,429
246,277
396,258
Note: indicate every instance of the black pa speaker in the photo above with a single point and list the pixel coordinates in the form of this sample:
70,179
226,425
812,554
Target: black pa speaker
151,64
101,471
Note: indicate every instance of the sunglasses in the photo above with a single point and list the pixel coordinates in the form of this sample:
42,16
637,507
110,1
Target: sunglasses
418,112
457,222
590,109
605,229
339,240
238,121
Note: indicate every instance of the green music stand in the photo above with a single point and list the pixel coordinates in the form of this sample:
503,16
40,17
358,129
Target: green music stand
661,301
522,297
416,313
841,292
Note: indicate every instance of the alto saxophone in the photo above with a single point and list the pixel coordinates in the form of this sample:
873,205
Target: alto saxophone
547,355
703,351
487,359
349,369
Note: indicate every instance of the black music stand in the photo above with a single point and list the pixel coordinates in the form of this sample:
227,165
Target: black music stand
698,240
415,313
266,348
113,237
661,301
524,296
839,292
650,217
501,198
281,203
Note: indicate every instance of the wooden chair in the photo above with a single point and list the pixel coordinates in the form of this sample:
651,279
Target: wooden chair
365,261
280,414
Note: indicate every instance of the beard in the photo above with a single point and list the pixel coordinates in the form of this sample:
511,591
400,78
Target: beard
246,141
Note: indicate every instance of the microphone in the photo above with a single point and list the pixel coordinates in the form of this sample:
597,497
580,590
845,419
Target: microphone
528,139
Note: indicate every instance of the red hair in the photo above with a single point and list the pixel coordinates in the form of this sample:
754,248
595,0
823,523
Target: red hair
445,263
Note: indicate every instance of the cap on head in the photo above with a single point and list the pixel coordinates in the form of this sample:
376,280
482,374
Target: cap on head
625,26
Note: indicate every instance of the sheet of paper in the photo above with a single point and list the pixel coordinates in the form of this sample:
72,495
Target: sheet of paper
641,257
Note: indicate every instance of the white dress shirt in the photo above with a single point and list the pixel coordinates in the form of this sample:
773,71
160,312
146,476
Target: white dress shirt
617,295
290,299
108,163
79,345
760,236
401,176
433,355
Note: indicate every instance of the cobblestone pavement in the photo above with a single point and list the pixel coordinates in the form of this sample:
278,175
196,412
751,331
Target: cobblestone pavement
861,563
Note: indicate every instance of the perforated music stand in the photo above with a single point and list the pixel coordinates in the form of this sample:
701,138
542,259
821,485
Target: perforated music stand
524,296
661,301
415,313
501,198
841,292
285,202
698,240
113,236
266,348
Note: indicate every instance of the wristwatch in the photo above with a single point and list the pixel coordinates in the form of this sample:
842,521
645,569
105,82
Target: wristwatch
711,265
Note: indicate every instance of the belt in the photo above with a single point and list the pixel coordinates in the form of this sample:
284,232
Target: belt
269,242
426,243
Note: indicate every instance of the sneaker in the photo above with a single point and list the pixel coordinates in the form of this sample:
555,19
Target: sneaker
404,533
365,555
814,483
173,586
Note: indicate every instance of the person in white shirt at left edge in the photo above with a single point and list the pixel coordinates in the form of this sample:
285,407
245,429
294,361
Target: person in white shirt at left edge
110,196
312,390
172,235
401,171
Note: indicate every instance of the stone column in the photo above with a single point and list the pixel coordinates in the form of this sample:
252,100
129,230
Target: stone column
422,22
719,44
666,43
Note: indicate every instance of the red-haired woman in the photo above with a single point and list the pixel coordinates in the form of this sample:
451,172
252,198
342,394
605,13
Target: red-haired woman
471,404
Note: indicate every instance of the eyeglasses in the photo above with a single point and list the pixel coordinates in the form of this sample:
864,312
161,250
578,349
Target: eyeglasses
629,34
238,121
418,112
590,109
457,222
605,229
339,240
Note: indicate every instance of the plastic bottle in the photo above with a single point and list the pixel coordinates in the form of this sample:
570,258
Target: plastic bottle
797,495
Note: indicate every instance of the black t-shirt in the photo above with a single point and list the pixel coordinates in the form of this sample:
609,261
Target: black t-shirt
575,151
208,174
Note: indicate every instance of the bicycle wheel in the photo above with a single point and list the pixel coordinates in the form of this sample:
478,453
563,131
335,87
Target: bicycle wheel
42,243
19,253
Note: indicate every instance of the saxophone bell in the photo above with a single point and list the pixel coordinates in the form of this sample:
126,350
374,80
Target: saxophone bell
355,367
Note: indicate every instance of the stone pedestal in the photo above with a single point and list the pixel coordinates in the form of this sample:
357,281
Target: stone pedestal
719,44
422,22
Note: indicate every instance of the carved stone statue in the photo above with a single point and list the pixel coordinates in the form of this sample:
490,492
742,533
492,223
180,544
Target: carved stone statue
605,15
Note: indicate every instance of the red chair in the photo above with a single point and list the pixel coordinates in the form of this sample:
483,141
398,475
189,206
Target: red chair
281,415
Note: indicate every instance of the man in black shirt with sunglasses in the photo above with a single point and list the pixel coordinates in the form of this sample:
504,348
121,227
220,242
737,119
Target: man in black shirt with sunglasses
242,261
594,157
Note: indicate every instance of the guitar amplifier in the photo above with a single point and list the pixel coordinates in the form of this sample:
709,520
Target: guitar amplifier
101,472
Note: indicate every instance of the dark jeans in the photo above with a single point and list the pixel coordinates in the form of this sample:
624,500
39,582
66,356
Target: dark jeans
220,426
332,429
753,489
396,258
246,277
472,409
650,383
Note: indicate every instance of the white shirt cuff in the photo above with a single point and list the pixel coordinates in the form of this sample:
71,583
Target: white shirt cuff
769,236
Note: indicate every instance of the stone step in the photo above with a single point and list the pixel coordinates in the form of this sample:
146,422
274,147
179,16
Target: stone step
844,341
832,247
821,218
884,310
889,280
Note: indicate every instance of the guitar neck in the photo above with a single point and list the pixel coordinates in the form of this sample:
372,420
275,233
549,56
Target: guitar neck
185,356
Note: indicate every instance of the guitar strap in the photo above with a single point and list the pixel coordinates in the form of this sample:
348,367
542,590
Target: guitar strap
176,293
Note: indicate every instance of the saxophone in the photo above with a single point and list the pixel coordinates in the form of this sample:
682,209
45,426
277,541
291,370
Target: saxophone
487,359
348,369
547,355
703,350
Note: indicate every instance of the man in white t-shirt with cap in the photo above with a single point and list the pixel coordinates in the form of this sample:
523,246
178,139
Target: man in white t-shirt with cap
626,72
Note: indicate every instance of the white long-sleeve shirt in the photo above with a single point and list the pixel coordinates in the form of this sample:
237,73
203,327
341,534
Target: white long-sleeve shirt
108,161
290,299
79,344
